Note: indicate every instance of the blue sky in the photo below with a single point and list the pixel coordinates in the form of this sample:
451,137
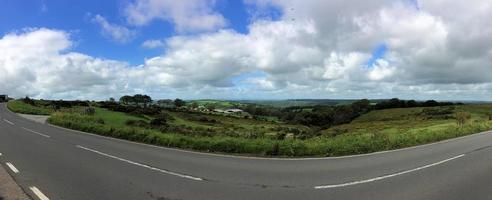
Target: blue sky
75,17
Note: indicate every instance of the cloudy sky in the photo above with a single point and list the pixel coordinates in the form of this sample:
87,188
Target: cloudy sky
247,49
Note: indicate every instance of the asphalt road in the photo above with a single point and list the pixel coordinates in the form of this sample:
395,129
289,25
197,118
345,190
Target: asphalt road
56,163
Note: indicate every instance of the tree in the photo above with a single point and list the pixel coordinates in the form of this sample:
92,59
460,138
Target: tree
111,99
126,99
138,99
28,100
179,103
146,100
194,105
210,107
361,106
165,102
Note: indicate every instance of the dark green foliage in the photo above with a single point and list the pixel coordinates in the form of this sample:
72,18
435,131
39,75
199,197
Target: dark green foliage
179,103
137,123
438,112
136,100
397,103
158,122
28,100
327,116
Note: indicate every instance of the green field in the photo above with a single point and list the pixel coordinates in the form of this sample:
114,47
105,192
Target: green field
377,130
216,103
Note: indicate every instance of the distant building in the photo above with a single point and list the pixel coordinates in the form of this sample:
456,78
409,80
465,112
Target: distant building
233,111
228,111
4,98
219,110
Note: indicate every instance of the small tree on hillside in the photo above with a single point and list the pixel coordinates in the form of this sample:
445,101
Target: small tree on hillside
179,103
462,118
126,99
211,107
194,105
28,100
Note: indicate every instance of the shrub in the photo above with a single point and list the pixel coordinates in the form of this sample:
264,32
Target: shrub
158,122
89,111
462,117
137,123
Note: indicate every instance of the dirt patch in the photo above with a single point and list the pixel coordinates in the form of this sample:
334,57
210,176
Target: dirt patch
37,118
9,190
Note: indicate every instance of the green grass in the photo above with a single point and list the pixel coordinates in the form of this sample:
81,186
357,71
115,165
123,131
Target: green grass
376,131
23,108
217,103
115,118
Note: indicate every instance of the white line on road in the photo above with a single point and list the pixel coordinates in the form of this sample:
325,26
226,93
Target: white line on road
12,167
44,135
142,165
11,123
38,193
386,176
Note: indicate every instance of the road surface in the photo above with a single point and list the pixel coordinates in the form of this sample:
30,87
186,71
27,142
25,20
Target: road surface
55,163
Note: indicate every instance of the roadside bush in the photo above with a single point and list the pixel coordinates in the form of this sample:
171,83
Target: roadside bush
462,118
137,123
89,111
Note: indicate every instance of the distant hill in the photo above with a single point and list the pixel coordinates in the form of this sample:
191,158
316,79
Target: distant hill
304,102
297,102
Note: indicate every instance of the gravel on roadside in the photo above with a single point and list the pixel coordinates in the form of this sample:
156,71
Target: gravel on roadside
9,190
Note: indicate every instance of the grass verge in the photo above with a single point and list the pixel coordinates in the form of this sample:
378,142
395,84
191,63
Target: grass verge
344,144
23,108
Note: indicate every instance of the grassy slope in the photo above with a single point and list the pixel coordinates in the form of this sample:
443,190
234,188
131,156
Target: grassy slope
114,118
375,131
20,107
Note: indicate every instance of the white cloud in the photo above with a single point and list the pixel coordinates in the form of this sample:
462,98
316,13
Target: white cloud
115,32
186,15
32,63
152,44
317,49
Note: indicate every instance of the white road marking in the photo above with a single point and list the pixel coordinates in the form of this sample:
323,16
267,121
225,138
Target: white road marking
12,167
1,154
386,176
38,193
142,165
29,130
11,123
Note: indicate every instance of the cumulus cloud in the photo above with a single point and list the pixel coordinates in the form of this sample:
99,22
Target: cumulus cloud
186,15
114,32
152,44
316,49
33,62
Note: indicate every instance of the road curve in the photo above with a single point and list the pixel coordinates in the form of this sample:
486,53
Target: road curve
56,163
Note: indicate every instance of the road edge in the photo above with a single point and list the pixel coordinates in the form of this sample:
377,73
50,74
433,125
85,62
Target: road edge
9,188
